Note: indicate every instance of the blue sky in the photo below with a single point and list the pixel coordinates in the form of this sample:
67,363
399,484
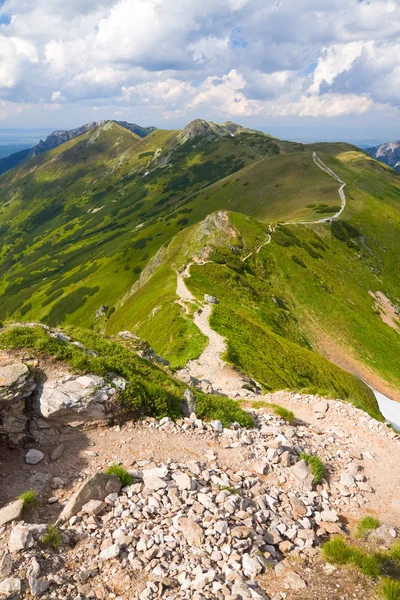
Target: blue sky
297,68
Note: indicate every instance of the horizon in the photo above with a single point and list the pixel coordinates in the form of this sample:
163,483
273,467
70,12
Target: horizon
325,72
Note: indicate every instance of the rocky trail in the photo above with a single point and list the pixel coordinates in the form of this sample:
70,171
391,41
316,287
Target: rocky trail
342,195
210,511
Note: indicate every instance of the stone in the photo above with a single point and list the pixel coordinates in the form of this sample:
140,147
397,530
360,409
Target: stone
251,566
11,512
33,457
6,564
10,587
20,538
93,507
294,582
302,475
330,516
261,467
210,299
217,426
152,479
347,480
321,407
110,552
96,487
182,480
192,531
298,506
57,452
16,382
80,398
189,403
38,586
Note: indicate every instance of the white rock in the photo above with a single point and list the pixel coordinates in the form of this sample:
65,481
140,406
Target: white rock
33,457
10,586
110,552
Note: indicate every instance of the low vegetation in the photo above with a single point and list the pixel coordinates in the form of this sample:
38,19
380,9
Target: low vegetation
365,525
123,475
381,566
223,409
284,413
318,468
52,537
29,499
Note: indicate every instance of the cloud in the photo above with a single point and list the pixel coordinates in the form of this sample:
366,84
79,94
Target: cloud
237,58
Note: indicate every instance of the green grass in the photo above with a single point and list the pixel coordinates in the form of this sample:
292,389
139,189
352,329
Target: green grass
365,525
284,413
52,537
29,499
124,476
213,407
389,589
318,468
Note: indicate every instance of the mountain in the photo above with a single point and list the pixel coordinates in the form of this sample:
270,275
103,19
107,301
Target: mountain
96,232
387,153
60,137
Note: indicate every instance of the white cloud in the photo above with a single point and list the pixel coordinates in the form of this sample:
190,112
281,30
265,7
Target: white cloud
232,57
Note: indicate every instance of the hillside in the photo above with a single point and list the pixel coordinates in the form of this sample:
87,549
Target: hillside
387,153
95,231
60,137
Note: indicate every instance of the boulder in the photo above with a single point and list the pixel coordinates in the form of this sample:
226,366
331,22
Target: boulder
11,512
72,399
16,382
294,582
210,299
38,586
6,565
188,405
96,487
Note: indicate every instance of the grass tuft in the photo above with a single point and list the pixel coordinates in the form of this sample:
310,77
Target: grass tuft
52,537
284,413
29,499
318,468
389,589
222,409
123,475
338,551
365,525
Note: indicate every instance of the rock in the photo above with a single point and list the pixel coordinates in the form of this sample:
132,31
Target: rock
298,506
210,299
302,475
93,507
10,587
193,532
152,479
251,566
384,533
330,516
11,512
101,311
189,404
261,467
80,398
38,587
33,457
217,426
96,487
16,382
321,407
6,565
294,582
110,552
20,538
347,480
57,452
182,480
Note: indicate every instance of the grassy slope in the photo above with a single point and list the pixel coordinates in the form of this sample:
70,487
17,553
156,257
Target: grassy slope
80,222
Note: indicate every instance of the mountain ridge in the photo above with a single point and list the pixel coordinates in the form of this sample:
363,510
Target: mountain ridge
388,153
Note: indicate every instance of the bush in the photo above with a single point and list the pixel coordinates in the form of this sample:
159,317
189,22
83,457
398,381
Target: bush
52,537
29,499
365,525
298,261
123,475
318,469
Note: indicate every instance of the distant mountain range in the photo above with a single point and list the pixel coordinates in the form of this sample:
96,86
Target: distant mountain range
387,153
60,137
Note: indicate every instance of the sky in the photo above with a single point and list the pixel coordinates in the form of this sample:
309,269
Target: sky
311,69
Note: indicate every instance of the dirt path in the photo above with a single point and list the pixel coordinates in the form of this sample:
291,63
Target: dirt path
342,195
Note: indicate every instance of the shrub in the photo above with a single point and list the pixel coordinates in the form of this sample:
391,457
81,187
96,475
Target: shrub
389,589
365,525
318,469
336,551
298,261
52,537
123,475
29,499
